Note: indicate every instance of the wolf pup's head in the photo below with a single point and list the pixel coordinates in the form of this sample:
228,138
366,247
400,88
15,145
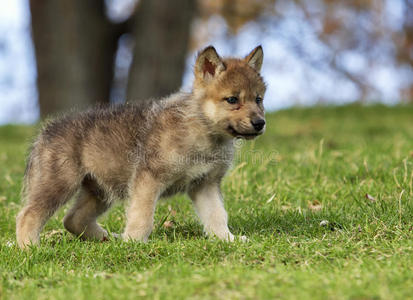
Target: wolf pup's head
232,92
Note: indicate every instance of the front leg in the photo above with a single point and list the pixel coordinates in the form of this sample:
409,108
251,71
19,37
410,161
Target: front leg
209,206
144,193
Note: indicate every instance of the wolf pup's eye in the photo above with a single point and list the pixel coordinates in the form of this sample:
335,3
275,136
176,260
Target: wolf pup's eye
232,100
258,100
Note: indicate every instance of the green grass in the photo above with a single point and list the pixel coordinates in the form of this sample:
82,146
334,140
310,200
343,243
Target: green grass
312,165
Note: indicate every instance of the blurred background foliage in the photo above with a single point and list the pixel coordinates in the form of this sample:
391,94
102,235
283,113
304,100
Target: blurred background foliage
96,51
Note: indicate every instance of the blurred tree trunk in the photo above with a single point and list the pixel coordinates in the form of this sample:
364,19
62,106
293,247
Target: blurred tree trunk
162,32
405,53
75,46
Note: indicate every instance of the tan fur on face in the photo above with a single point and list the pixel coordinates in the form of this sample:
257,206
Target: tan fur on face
143,152
241,80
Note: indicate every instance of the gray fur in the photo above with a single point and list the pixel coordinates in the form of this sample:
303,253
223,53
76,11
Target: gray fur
138,152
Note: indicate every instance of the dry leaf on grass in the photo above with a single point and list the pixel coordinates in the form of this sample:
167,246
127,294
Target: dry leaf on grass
271,198
315,205
324,223
370,197
168,224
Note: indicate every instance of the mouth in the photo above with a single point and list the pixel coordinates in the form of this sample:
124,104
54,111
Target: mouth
247,136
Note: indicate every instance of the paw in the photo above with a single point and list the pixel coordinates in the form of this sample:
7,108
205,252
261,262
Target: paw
128,238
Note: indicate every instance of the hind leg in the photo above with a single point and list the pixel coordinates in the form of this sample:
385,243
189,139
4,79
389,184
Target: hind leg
81,218
42,201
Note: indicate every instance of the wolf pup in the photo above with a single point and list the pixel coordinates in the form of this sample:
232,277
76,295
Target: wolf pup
143,152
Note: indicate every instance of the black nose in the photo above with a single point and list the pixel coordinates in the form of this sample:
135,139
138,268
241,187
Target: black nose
258,124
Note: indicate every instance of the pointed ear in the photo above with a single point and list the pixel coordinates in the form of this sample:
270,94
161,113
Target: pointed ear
255,58
208,64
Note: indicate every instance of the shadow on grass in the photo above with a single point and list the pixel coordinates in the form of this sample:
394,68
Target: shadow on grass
287,223
264,224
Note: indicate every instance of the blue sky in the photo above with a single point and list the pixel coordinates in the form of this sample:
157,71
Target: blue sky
18,96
